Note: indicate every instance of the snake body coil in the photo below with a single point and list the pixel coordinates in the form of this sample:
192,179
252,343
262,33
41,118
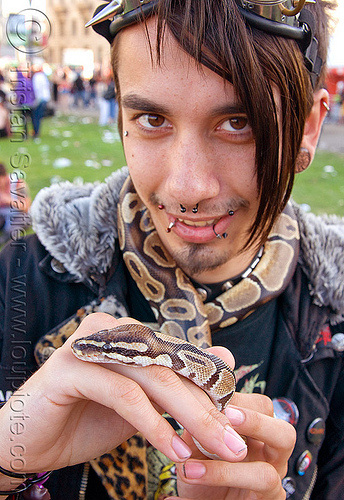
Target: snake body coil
139,345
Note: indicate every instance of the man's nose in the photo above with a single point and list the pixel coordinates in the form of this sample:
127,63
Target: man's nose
192,174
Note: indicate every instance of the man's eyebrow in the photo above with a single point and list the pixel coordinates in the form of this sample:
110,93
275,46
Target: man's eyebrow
134,101
228,109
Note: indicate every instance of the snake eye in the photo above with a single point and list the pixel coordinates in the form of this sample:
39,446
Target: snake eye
107,347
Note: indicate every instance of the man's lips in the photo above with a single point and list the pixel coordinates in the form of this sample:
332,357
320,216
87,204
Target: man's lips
199,231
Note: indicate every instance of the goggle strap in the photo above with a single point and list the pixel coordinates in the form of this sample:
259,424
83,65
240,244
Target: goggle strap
132,17
274,27
302,34
310,52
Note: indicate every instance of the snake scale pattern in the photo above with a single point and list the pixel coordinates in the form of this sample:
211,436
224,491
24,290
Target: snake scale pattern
139,345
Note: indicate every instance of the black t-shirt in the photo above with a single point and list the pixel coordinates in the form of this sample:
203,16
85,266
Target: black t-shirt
251,342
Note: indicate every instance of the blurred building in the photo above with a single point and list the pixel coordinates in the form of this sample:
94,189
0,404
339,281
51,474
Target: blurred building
71,44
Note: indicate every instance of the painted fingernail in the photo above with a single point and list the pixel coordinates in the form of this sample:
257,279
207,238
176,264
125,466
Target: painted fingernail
193,470
233,441
236,417
180,448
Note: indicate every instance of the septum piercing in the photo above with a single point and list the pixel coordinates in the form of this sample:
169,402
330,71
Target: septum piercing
194,210
183,209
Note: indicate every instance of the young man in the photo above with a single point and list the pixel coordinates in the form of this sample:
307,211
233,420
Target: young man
219,106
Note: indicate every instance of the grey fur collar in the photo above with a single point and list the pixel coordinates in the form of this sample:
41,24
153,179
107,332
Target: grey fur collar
322,259
78,226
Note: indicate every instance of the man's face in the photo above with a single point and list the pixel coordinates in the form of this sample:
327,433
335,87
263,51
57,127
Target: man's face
188,145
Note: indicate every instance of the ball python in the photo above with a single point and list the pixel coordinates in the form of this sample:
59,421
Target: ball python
139,345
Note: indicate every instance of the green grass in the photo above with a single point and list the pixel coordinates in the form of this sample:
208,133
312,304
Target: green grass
94,152
322,185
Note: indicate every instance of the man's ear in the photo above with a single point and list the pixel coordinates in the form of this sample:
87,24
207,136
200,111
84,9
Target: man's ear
314,122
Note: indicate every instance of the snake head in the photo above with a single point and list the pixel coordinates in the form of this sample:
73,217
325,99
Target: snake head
125,344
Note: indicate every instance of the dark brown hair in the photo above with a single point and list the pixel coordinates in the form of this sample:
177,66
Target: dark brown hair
214,33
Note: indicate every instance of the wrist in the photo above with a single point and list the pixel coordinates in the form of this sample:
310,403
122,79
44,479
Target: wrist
8,484
20,482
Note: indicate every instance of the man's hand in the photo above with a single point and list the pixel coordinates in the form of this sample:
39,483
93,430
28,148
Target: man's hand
75,410
270,443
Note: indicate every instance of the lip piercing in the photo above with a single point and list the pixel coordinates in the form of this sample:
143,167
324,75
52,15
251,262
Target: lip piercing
161,206
182,209
231,212
195,209
171,225
224,235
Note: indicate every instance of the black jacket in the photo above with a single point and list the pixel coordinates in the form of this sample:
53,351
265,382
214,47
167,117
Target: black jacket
39,289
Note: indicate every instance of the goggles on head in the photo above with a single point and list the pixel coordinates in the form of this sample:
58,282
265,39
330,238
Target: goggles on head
286,18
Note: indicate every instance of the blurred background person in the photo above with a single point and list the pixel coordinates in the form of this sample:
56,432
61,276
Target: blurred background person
79,91
25,96
41,88
5,128
14,205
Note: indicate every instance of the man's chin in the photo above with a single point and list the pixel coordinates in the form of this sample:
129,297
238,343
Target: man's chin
196,259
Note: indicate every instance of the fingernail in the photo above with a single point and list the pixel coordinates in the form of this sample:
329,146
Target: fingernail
236,417
233,441
180,448
193,470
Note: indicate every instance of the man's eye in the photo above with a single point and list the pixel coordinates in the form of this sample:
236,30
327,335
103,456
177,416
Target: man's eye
152,121
235,124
